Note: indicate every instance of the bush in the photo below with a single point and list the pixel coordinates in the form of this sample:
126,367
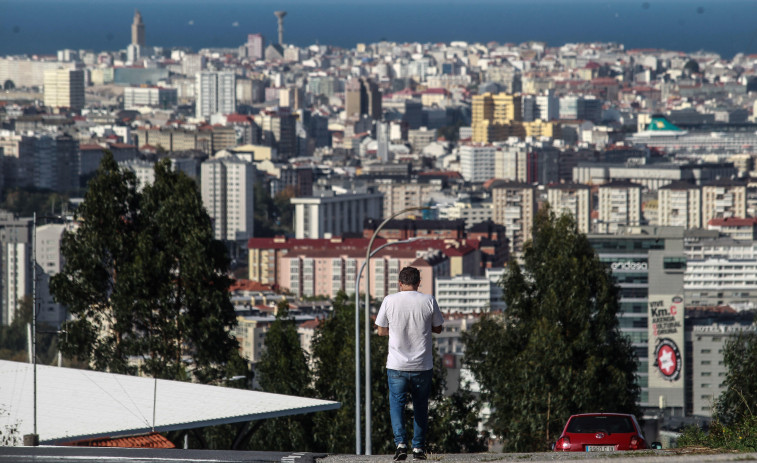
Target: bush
741,436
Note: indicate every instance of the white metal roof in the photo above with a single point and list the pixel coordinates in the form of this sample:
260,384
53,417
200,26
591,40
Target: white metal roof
80,404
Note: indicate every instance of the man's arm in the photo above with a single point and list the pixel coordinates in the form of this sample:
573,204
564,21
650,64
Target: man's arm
384,331
434,329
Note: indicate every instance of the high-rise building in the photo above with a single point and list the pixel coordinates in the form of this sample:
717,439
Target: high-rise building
15,263
679,205
278,130
362,96
255,46
49,262
514,206
137,30
619,205
496,117
216,93
574,199
477,162
646,263
227,193
723,198
64,88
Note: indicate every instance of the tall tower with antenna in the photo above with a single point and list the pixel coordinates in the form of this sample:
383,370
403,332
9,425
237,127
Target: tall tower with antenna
280,15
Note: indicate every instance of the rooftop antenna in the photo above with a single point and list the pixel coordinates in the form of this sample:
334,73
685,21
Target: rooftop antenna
280,15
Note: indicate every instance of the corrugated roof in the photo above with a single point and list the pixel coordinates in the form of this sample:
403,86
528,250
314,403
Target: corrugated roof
81,404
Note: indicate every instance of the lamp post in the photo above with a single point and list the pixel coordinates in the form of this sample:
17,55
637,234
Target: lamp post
368,254
357,339
33,439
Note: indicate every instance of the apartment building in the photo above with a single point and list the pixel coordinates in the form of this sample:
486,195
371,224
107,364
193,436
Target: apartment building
514,206
467,294
329,214
477,162
573,199
227,185
679,205
723,198
215,93
64,89
619,206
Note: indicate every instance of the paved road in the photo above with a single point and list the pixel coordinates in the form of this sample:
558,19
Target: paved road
649,456
113,455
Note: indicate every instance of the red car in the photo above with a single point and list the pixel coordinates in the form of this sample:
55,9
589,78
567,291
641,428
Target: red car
601,432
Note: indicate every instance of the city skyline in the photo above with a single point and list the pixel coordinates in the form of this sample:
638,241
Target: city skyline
721,27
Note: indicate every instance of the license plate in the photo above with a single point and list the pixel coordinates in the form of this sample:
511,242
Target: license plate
600,448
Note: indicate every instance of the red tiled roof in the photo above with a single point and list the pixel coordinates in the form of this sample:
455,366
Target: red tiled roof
733,222
248,285
355,247
152,441
91,147
310,324
238,118
435,91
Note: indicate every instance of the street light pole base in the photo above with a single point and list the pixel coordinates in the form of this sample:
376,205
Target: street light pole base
31,440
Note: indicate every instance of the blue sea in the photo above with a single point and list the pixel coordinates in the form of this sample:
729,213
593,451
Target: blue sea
726,27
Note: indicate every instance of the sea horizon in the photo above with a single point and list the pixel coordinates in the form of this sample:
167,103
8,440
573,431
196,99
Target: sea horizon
725,27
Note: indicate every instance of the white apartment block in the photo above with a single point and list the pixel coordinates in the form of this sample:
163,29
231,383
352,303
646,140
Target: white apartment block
720,271
155,97
514,206
723,198
332,214
619,206
401,195
216,93
734,227
49,263
468,294
574,200
27,73
510,161
477,162
470,211
679,204
708,370
64,88
227,185
548,107
143,170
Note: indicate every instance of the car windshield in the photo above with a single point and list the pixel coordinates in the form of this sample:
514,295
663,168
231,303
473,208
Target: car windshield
608,424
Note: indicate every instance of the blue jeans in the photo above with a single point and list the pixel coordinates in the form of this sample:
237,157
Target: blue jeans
418,384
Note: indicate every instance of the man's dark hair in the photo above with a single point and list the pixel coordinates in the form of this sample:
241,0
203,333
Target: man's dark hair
410,276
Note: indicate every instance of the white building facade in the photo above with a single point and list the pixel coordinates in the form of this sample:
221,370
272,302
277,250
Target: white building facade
335,214
216,93
227,185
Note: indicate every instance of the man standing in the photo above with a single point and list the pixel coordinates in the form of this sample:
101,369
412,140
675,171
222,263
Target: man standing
408,318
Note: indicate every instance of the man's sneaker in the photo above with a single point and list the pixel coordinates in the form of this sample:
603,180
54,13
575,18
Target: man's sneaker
401,453
419,454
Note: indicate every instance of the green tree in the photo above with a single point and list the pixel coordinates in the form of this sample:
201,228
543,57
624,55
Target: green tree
453,424
334,371
739,400
283,369
557,350
145,279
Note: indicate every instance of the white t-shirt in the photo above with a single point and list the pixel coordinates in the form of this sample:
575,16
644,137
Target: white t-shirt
409,315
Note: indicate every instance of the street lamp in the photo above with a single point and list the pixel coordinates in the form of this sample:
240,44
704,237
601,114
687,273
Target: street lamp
33,439
368,255
357,337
